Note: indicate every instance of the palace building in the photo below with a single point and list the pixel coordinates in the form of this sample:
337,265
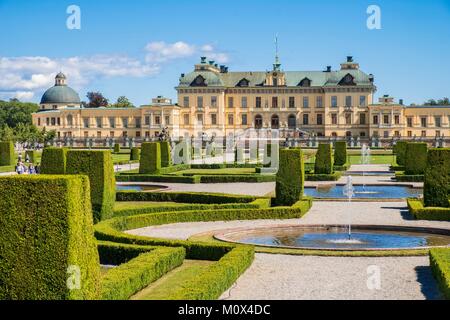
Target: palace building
212,99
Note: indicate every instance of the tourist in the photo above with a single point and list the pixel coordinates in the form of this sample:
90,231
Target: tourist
20,169
31,169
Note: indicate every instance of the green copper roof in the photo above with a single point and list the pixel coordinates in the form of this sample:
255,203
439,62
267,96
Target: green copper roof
60,94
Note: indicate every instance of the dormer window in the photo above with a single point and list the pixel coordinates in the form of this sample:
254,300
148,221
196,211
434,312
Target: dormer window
305,83
199,81
348,80
243,83
274,81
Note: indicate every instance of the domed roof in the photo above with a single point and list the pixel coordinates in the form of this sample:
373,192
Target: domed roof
60,94
60,76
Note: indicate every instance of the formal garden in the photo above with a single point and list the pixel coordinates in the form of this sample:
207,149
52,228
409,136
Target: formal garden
72,232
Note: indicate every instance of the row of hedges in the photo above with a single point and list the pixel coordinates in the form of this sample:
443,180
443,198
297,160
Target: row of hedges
324,177
7,155
98,166
420,212
324,163
401,177
134,210
46,239
415,158
111,230
183,197
440,266
121,282
437,178
245,178
222,165
157,178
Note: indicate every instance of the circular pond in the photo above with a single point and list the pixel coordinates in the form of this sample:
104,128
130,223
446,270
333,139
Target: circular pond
139,187
335,237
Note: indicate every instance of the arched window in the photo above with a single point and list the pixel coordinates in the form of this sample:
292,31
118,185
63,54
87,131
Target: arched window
334,134
292,122
275,122
348,133
258,121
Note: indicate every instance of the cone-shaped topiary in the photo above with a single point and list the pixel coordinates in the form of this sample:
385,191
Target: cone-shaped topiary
323,164
7,155
150,161
290,177
437,178
116,148
47,244
53,160
98,166
166,155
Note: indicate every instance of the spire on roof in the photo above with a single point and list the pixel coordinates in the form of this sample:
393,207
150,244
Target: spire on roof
277,64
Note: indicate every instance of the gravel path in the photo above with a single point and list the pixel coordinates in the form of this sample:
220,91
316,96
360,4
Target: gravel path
334,278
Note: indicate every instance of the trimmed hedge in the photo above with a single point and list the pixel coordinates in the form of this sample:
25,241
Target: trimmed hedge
98,165
123,281
150,162
437,178
7,155
46,233
420,212
53,160
324,177
415,158
400,152
244,178
32,155
166,155
290,177
401,177
440,266
110,230
212,282
323,164
183,197
158,178
135,154
340,153
222,165
116,148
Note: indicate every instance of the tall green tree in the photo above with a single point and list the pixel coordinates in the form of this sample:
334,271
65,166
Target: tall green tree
122,102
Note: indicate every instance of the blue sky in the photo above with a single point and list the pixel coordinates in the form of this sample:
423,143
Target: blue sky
139,49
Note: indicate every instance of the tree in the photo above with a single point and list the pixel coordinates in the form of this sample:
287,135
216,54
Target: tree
439,102
122,102
96,100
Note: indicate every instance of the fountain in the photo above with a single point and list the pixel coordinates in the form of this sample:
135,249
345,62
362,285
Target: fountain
365,159
349,192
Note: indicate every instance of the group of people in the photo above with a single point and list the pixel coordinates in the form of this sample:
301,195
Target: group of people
27,167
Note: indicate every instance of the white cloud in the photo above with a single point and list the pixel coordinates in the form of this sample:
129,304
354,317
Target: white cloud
26,77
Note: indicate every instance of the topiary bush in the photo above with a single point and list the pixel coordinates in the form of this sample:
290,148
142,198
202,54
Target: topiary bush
98,166
134,154
400,152
166,155
290,177
150,161
46,237
415,158
323,164
437,178
53,160
116,148
7,155
440,266
340,153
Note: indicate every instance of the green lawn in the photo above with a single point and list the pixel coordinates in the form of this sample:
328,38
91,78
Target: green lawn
120,157
217,171
374,159
162,288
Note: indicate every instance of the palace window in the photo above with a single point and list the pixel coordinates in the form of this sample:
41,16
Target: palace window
199,81
362,101
305,83
375,119
199,118
319,102
385,119
258,121
167,119
147,120
348,118
292,122
319,119
386,134
98,121
244,102
230,102
305,119
112,122
85,122
125,122
186,118
157,120
137,122
424,133
334,103
230,119
258,102
99,134
58,121
348,101
348,80
362,118
397,133
39,121
213,119
199,102
437,121
423,122
69,120
275,122
274,102
397,119
214,101
186,102
244,119
409,122
243,83
305,102
409,133
291,102
334,118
